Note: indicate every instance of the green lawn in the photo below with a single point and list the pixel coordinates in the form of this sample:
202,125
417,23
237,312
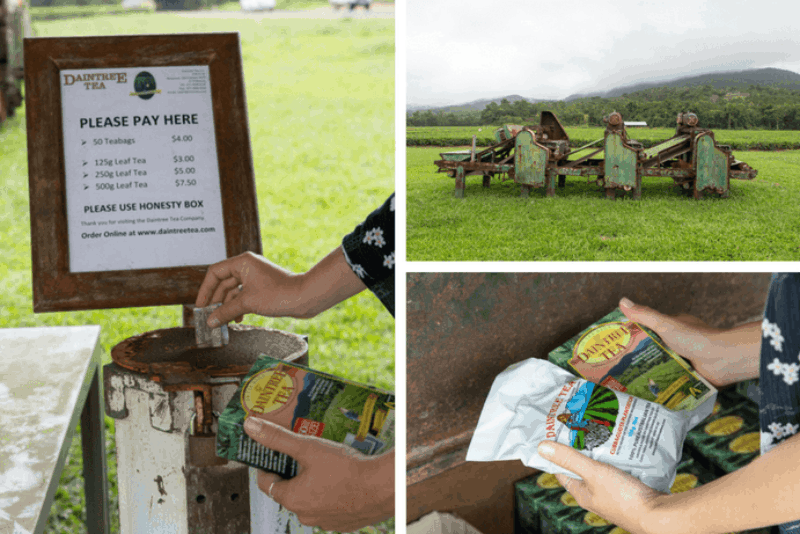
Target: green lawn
67,9
758,222
321,116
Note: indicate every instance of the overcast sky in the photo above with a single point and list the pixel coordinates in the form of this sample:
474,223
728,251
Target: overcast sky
464,50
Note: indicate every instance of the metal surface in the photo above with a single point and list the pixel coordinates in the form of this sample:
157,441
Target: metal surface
48,384
619,162
712,164
530,159
170,356
463,329
218,499
95,474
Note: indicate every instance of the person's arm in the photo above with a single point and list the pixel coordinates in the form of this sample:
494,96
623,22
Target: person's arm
721,356
336,488
249,283
760,494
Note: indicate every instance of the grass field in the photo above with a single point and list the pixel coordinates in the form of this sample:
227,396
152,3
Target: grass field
321,117
579,136
65,10
758,222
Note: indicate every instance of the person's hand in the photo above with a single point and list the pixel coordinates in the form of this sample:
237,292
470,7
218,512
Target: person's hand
336,488
248,283
605,490
721,356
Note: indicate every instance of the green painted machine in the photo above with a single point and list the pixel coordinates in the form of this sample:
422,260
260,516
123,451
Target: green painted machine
534,156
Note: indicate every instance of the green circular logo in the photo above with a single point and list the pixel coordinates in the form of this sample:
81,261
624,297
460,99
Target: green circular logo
144,85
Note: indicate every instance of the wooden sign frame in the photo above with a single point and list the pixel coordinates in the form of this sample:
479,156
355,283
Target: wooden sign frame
55,287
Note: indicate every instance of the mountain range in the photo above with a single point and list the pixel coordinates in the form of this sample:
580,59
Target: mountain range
731,80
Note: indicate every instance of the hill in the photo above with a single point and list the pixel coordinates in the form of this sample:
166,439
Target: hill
475,105
759,98
733,80
742,79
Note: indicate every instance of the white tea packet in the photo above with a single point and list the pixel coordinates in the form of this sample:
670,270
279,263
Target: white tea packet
535,400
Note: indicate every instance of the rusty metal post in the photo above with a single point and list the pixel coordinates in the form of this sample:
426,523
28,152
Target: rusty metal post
463,329
551,183
163,393
460,182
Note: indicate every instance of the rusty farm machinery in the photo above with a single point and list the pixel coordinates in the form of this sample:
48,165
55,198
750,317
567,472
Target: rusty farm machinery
535,156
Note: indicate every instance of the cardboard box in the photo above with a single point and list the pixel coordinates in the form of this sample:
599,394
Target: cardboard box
306,402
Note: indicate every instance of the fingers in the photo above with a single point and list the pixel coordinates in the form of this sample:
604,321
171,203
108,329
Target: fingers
645,316
573,486
277,438
215,275
225,289
272,485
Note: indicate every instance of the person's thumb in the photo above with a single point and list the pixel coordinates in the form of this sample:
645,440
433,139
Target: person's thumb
646,316
227,312
571,460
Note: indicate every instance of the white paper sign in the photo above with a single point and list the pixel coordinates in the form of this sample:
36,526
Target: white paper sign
142,178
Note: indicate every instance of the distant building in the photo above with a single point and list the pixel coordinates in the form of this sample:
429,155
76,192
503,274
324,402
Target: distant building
635,124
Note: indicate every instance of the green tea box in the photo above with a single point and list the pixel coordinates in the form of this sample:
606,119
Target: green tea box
749,389
306,402
728,439
530,495
577,520
626,356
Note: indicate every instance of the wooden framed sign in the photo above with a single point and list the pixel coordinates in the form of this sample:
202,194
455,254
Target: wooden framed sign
140,170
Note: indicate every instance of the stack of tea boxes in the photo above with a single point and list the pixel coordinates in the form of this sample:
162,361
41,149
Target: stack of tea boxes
727,440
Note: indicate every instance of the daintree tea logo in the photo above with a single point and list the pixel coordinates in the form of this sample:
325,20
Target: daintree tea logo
267,391
604,342
144,86
95,80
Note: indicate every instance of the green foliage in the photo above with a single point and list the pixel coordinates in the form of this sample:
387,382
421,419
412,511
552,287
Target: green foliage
756,107
581,135
758,221
321,117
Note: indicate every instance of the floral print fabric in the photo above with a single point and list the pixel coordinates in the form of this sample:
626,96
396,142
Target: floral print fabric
369,250
780,365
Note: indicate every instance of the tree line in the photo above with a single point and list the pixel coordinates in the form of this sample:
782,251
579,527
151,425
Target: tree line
757,107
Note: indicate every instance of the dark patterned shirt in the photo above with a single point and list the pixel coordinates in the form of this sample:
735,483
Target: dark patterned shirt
779,403
369,250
